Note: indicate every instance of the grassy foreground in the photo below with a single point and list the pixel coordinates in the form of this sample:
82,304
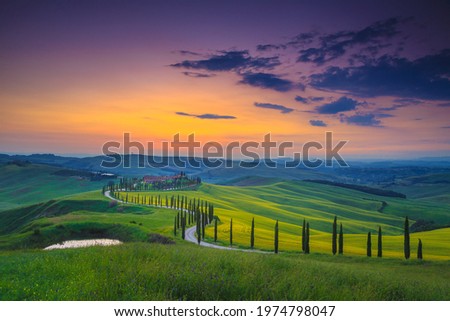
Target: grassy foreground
140,271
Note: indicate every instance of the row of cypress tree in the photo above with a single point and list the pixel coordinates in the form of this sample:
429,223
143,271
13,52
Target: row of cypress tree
202,213
176,182
337,242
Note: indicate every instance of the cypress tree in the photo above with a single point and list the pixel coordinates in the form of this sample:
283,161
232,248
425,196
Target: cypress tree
211,212
203,225
178,222
198,228
183,226
307,249
276,238
419,250
175,226
334,236
215,230
252,234
341,240
231,232
369,244
304,235
406,243
380,243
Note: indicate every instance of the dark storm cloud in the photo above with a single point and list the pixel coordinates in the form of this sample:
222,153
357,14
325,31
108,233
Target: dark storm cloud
338,106
282,109
268,81
335,45
317,123
230,61
424,78
206,116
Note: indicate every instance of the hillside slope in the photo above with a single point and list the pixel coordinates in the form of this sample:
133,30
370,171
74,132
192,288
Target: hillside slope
292,201
32,183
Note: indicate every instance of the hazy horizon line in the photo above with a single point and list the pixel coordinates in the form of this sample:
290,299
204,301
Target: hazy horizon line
367,158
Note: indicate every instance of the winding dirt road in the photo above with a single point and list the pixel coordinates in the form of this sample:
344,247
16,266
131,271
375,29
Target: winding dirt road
190,232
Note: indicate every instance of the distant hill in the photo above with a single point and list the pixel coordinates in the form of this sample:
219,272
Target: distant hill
388,174
361,188
25,183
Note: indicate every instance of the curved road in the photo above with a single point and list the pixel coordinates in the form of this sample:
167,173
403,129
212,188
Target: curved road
190,232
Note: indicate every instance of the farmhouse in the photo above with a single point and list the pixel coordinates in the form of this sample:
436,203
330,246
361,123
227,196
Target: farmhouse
154,179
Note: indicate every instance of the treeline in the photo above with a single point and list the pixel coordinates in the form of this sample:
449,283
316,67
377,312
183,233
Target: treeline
337,239
190,211
134,184
361,188
93,176
406,241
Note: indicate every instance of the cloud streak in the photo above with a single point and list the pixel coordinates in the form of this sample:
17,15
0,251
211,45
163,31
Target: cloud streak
206,116
230,61
335,45
364,119
197,74
282,109
308,100
341,105
268,81
317,123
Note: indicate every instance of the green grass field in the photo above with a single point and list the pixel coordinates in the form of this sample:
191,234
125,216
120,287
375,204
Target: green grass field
141,269
80,216
292,201
25,185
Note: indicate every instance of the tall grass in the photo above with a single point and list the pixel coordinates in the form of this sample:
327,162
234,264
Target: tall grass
187,272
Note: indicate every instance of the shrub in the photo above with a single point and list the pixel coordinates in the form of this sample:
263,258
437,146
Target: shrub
160,239
112,203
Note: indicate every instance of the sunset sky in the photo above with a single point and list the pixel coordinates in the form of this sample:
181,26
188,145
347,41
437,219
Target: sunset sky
76,74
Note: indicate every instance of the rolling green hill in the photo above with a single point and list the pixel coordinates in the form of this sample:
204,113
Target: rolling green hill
143,270
32,183
292,201
80,216
429,187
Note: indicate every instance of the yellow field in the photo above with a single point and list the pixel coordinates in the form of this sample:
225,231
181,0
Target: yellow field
291,202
